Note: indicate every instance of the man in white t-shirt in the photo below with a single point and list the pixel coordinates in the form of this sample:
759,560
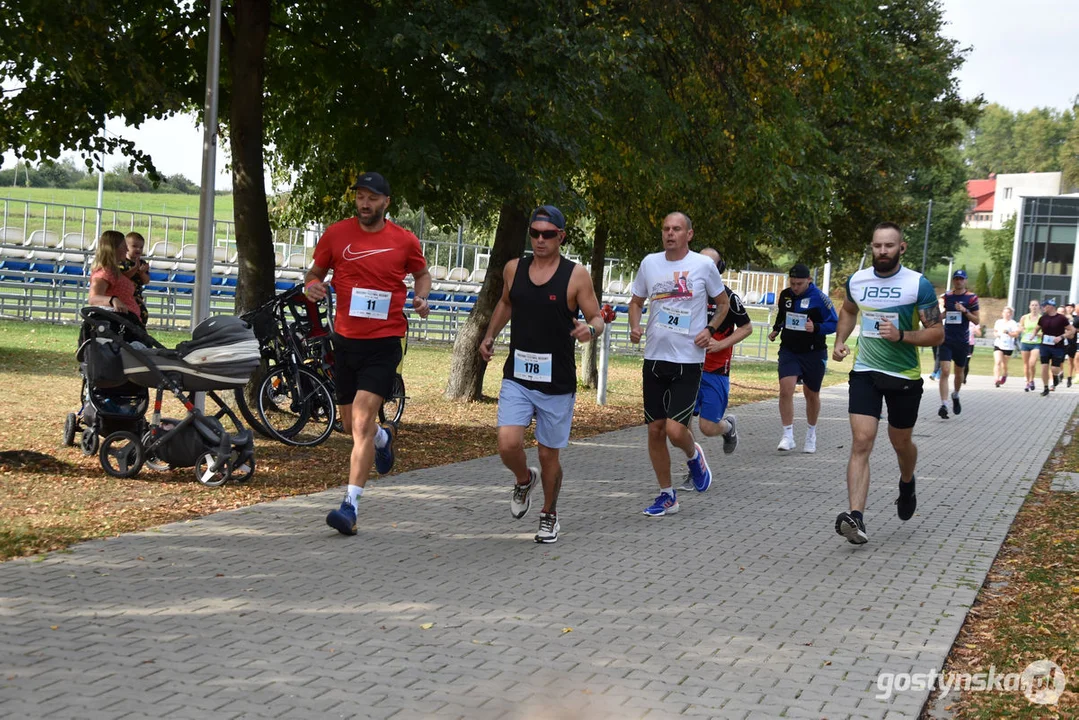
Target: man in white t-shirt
677,284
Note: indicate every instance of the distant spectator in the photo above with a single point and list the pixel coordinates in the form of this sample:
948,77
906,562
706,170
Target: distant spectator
134,267
110,288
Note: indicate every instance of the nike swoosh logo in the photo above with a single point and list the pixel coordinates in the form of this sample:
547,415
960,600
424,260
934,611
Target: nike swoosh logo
350,254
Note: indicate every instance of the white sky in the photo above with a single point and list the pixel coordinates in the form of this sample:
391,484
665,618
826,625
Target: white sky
1022,57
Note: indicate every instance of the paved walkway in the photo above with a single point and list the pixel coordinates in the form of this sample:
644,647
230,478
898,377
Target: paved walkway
746,604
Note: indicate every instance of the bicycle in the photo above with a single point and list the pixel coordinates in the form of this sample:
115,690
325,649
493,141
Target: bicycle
298,351
294,401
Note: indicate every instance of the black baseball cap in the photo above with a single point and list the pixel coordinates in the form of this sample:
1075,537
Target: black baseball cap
372,181
548,213
799,271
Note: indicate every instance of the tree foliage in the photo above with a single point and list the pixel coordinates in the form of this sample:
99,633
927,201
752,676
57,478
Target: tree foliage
1038,140
981,281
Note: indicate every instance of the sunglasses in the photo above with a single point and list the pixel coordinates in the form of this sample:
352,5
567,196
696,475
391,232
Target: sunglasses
545,234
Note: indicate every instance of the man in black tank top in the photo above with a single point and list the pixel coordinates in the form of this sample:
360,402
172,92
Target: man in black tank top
544,294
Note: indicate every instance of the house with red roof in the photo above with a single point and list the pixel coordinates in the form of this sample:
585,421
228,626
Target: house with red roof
980,208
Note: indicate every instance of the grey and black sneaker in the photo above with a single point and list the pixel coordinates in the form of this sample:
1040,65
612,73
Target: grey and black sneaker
943,412
730,438
548,528
956,407
522,494
687,484
905,506
1056,381
851,528
1045,391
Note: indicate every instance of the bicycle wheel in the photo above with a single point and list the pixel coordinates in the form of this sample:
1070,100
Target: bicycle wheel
247,411
393,407
296,407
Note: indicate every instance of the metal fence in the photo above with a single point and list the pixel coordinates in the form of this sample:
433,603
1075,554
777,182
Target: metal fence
46,250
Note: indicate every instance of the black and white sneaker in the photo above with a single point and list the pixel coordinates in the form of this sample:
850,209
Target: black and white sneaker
943,412
851,528
1045,391
522,494
1056,381
956,407
548,528
730,438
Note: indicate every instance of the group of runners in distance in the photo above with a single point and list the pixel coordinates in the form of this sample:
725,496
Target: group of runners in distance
694,321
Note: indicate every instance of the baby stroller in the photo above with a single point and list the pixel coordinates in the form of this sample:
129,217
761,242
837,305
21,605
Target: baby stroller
222,354
109,401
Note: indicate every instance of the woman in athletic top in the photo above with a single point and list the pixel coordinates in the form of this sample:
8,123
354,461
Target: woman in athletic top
1005,330
1028,345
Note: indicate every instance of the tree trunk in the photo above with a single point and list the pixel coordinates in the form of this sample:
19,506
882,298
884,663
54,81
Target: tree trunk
245,42
590,354
466,366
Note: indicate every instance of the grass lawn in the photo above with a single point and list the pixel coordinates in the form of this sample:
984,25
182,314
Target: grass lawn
51,495
971,256
175,204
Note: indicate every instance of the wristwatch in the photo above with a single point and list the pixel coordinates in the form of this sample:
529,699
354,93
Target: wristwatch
592,330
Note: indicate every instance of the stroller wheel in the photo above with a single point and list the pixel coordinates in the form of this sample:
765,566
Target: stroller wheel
121,454
207,475
89,441
243,466
71,424
152,461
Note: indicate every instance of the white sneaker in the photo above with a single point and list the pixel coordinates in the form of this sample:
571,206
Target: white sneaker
522,494
787,443
810,445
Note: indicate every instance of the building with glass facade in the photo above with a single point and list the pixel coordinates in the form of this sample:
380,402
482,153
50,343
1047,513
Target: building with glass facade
1045,256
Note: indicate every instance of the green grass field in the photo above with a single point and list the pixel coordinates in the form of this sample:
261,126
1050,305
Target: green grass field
174,204
971,256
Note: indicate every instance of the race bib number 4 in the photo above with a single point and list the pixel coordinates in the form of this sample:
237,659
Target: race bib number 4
373,304
532,366
953,317
796,321
871,322
675,320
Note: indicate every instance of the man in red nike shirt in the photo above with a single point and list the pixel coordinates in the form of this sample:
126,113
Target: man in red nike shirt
370,257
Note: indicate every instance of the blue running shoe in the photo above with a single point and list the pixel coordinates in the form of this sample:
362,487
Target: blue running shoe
664,504
343,519
384,456
698,469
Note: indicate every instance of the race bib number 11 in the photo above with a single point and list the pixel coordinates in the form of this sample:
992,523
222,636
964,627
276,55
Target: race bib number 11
373,304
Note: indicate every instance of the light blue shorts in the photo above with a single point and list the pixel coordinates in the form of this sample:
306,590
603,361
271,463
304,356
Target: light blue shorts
712,396
517,405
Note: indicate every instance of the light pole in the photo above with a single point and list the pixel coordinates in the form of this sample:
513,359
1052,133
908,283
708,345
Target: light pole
948,280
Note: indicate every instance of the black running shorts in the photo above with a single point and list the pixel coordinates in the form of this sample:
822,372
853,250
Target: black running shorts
1052,354
870,390
670,390
369,365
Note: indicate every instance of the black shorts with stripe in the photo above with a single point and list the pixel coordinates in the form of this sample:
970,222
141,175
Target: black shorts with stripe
670,390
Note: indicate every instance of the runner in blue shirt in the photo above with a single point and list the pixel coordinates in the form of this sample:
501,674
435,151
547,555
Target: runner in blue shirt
960,310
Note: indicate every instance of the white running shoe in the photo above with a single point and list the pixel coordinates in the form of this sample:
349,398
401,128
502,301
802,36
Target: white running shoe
522,494
787,443
810,445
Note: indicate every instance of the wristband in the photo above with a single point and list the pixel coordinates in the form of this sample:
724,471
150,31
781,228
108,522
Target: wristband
309,284
900,334
592,330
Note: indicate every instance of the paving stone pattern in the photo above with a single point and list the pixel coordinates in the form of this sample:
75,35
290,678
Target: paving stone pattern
744,605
